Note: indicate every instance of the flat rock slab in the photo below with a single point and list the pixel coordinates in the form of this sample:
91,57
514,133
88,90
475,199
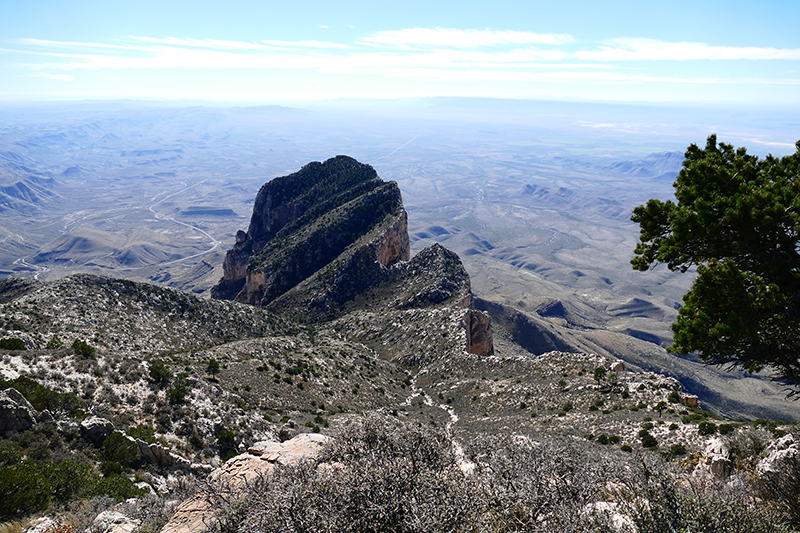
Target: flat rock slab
289,452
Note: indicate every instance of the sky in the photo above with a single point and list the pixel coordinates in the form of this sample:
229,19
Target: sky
728,53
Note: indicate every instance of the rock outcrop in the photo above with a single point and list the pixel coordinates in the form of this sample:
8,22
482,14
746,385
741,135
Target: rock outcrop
304,221
43,524
197,515
715,461
781,456
479,333
332,238
159,455
16,413
112,521
434,277
414,307
96,429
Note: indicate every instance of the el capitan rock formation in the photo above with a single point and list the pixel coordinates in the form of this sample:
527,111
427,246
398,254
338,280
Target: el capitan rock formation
304,221
333,237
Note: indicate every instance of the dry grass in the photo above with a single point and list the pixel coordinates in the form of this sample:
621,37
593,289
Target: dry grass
14,527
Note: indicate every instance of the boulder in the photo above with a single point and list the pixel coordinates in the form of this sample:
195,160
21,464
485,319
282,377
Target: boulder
113,522
305,445
720,467
17,396
618,366
16,413
96,429
287,432
197,514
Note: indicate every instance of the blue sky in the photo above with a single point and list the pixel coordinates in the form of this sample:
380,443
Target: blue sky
732,52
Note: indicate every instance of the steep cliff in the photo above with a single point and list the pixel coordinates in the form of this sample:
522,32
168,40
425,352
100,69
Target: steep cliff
331,240
304,221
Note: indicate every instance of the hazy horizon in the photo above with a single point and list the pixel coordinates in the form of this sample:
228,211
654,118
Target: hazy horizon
715,53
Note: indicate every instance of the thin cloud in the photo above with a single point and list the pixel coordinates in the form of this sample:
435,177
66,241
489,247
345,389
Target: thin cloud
145,44
783,145
292,55
454,59
434,48
454,38
630,49
59,77
309,44
214,44
516,75
417,53
44,43
174,57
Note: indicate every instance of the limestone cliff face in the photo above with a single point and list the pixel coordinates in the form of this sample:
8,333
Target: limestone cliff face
304,221
333,238
479,332
234,269
394,246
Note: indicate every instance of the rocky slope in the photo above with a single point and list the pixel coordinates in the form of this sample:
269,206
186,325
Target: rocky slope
331,320
125,317
556,326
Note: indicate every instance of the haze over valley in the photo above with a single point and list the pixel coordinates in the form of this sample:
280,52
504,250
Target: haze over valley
535,197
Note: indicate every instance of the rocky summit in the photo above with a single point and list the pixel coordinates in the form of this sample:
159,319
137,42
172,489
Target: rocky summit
333,238
303,222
